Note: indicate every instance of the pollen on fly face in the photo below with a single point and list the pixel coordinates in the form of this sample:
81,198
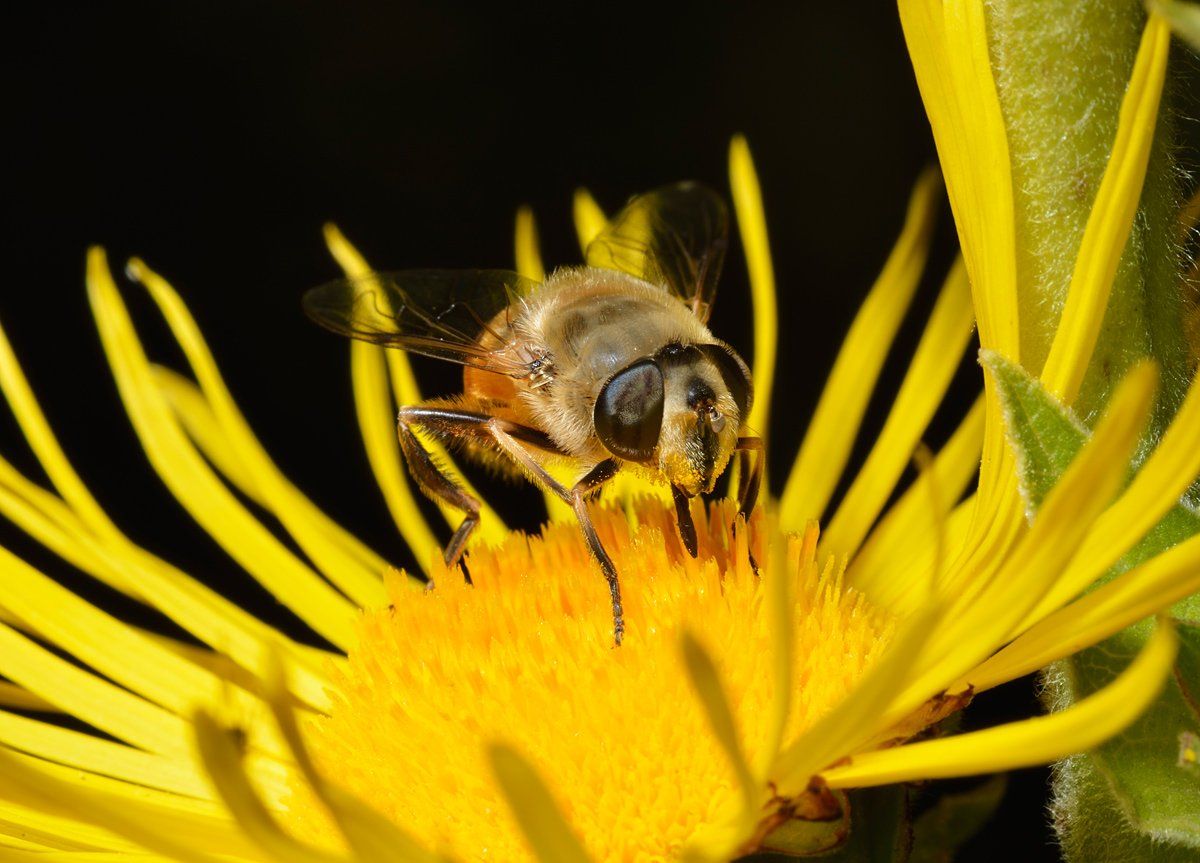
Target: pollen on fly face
525,656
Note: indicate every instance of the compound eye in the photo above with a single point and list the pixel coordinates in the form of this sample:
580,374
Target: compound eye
736,375
629,411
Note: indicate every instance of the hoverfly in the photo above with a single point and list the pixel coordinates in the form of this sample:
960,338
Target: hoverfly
610,365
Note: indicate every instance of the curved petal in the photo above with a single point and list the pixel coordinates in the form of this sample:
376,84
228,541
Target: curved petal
589,218
1111,217
752,222
349,564
192,481
831,431
932,368
1026,743
548,832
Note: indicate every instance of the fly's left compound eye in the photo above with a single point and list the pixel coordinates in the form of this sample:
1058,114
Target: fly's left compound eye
629,411
736,375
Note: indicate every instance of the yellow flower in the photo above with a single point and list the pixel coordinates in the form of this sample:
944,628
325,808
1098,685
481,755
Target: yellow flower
498,721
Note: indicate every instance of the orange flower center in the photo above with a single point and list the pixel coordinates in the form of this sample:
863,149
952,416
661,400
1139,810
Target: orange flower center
526,656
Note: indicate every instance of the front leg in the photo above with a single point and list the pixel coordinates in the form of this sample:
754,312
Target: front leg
750,482
683,520
748,487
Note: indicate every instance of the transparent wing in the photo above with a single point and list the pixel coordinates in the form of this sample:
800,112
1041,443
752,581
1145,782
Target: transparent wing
453,315
675,237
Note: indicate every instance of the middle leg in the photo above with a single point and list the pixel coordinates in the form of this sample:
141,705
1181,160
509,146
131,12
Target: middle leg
576,496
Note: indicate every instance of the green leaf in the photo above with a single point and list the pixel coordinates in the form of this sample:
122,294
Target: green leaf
1134,793
1189,665
955,818
1084,792
1044,435
1152,790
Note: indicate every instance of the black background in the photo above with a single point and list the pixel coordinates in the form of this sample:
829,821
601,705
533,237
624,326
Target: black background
214,139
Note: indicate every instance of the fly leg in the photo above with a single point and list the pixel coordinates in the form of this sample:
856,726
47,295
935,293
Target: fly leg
509,437
576,497
683,520
751,481
594,478
429,476
749,485
436,485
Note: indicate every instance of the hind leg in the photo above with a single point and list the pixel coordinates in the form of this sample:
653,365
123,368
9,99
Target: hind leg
436,485
451,422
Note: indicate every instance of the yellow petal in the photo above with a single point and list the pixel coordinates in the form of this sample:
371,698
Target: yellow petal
15,856
202,821
1111,217
44,444
368,374
113,559
1136,594
142,824
16,698
980,620
550,837
947,43
859,716
61,832
589,218
193,483
404,387
707,682
1026,743
92,754
50,522
201,424
831,432
528,254
929,374
948,46
89,698
1157,487
223,763
370,836
101,641
752,222
885,567
345,561
779,604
